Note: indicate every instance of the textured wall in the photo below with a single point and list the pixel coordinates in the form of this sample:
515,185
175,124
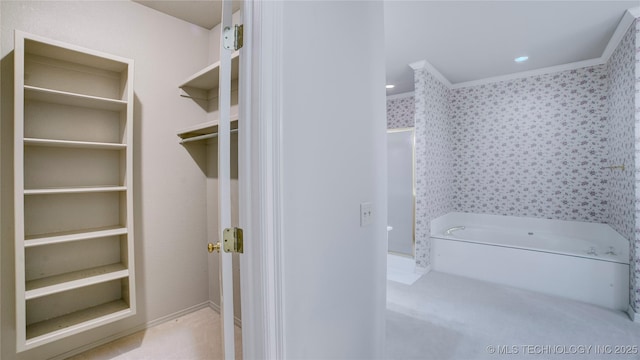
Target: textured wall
400,112
433,159
532,146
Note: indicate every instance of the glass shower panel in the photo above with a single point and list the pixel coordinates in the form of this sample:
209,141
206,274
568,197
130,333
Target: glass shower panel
400,145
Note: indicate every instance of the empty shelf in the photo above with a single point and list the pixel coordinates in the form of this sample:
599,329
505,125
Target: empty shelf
209,77
55,238
207,128
47,330
73,144
74,190
73,280
67,98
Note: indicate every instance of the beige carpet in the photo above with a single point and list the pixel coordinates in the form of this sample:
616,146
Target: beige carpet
191,337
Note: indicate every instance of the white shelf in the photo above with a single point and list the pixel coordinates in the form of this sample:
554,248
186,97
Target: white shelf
196,132
74,144
73,127
56,238
209,77
67,98
52,329
73,280
74,190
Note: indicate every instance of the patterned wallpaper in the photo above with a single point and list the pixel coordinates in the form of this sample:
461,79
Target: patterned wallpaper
621,141
533,146
400,112
433,159
635,243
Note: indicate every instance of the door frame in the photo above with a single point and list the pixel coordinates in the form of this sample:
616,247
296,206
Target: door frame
261,188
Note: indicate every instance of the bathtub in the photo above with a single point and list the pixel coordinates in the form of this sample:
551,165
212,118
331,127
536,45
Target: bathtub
582,261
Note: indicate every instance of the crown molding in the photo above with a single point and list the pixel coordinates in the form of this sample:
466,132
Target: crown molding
629,16
400,96
418,65
623,26
530,73
424,64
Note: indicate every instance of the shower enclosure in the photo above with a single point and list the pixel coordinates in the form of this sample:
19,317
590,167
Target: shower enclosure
400,191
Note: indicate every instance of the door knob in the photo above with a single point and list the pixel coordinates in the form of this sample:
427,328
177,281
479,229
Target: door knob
213,247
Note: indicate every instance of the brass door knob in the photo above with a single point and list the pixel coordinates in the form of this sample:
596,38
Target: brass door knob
213,247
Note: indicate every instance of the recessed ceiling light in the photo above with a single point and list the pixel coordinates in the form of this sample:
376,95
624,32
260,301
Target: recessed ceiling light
390,86
521,59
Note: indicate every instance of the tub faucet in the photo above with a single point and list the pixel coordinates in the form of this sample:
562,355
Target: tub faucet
450,230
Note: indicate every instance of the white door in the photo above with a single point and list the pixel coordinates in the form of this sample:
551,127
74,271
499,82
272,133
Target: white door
224,183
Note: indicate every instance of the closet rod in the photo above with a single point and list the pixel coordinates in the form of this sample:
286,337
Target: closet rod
203,137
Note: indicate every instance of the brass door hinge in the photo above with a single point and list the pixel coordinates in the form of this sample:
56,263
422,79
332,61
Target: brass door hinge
233,38
232,240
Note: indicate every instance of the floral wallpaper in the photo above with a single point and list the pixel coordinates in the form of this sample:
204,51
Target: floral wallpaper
621,141
635,243
433,159
400,112
533,146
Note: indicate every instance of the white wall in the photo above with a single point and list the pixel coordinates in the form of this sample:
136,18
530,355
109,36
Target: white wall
334,158
170,216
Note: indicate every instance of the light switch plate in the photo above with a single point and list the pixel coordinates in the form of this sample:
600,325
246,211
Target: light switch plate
366,214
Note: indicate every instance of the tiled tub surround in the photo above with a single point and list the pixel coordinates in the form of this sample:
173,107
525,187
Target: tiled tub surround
577,260
535,147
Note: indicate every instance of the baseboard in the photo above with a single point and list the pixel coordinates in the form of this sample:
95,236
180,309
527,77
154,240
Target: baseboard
216,308
634,316
132,330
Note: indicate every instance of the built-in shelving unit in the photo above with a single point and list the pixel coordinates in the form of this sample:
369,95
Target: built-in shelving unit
73,189
202,87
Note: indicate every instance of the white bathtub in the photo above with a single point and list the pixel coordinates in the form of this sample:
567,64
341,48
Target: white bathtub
588,262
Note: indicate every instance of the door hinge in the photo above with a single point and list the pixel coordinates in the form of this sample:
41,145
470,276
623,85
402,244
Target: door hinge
232,240
233,38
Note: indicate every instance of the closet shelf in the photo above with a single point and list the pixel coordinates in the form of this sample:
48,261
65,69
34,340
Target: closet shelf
73,99
74,190
208,78
73,280
68,236
48,330
204,130
73,144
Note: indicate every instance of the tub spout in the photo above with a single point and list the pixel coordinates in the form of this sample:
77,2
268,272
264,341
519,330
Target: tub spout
450,230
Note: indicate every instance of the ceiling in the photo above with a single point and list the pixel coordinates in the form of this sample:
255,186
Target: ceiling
468,40
472,40
204,13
